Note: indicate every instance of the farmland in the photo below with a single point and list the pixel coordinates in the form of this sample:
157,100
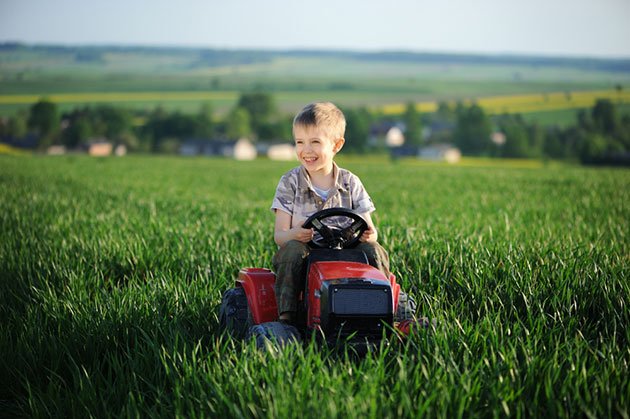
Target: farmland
545,102
182,79
112,271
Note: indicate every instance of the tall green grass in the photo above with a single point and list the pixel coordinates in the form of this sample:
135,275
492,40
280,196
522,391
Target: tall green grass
111,271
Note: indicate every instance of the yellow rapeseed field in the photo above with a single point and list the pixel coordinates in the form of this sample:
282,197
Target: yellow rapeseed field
527,103
112,97
523,103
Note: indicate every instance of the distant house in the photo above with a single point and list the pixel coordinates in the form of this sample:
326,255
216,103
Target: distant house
99,147
387,133
241,149
56,150
244,150
285,152
435,152
441,152
498,138
394,137
120,150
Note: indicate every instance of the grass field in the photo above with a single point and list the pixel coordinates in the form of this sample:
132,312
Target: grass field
111,271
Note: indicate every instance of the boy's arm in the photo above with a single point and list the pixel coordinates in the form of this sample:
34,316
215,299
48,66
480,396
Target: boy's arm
370,235
284,233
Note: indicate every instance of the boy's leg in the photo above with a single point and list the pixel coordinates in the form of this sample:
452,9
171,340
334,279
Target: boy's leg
377,256
289,265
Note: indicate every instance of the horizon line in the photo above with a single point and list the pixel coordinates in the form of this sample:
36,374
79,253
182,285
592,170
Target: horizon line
312,49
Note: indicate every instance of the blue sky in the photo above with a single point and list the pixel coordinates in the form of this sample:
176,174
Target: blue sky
597,28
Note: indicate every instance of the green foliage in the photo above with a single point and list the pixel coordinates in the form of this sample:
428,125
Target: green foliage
78,132
413,125
83,124
205,124
595,137
111,271
604,117
602,135
17,125
522,140
238,123
260,106
172,127
44,117
598,135
472,133
357,129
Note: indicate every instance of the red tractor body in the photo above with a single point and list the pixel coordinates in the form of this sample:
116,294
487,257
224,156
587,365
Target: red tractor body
336,293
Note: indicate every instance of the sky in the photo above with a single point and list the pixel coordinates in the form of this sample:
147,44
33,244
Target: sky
574,28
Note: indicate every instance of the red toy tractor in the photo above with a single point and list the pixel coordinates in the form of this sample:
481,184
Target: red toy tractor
343,299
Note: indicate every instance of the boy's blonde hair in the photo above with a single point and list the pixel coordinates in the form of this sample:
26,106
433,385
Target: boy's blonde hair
323,115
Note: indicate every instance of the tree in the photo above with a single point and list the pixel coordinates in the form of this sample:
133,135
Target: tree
357,129
17,126
472,133
178,125
413,131
584,120
444,113
594,148
260,106
116,121
553,145
516,138
238,123
78,131
275,130
43,117
150,132
174,127
604,116
205,122
536,140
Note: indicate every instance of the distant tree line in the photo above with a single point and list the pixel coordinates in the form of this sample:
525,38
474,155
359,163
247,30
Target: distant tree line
254,116
598,134
208,57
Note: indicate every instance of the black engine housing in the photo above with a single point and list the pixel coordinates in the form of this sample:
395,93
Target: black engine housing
356,306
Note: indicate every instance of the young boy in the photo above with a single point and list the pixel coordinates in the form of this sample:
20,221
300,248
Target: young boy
317,184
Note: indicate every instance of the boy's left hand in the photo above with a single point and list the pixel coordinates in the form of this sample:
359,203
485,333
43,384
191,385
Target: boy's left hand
368,235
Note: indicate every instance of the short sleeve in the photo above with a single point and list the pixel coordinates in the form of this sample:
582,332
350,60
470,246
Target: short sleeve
285,194
361,201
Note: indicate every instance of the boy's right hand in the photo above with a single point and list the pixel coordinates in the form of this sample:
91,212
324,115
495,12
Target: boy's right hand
304,235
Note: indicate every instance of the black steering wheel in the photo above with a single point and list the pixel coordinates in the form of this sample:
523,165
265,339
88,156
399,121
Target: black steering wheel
333,237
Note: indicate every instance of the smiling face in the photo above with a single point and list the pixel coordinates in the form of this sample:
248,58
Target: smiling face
315,149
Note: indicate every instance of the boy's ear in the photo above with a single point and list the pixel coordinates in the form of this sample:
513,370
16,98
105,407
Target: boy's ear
339,142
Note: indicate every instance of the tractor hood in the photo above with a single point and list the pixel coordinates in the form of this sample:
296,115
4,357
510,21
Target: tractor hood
326,271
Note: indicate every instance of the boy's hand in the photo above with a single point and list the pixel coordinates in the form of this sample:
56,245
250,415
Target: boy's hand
304,235
369,235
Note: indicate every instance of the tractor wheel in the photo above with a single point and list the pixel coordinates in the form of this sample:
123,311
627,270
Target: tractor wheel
406,308
277,333
234,316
